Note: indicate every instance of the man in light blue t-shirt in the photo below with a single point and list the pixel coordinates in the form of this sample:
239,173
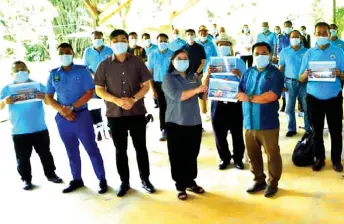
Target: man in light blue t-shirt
28,127
324,98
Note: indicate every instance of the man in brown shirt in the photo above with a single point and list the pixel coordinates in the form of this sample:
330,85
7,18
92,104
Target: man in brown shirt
122,81
135,49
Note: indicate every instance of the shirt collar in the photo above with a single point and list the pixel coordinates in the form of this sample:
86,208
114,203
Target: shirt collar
61,69
127,58
318,48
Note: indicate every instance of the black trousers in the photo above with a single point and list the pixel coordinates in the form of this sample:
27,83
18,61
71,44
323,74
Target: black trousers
248,60
333,110
162,103
183,143
96,115
136,126
23,145
228,117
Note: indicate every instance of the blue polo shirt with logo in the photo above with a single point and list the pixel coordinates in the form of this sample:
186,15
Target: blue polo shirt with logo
92,57
338,43
261,116
158,63
291,60
269,38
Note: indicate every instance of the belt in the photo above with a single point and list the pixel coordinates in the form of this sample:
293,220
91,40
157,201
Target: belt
291,79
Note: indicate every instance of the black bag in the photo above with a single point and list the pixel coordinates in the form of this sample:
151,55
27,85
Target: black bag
303,154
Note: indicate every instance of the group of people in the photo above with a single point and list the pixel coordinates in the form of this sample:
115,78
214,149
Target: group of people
178,73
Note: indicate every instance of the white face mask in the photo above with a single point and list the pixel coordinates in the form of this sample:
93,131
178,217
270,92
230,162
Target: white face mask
176,36
147,42
190,39
224,51
66,60
132,42
295,41
119,48
203,39
261,61
287,30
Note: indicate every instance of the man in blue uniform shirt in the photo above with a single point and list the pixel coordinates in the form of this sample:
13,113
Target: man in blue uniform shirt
269,38
147,44
73,86
177,42
325,98
28,128
283,39
93,55
158,63
334,37
260,87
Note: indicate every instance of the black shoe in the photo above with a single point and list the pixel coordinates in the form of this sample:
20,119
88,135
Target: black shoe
55,179
318,165
291,133
99,137
256,188
163,136
27,185
73,185
239,165
103,187
148,186
270,191
338,167
122,190
223,165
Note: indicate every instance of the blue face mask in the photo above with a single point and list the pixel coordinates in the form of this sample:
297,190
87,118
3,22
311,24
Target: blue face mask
66,60
333,32
162,46
224,50
98,43
265,29
21,76
181,65
262,61
322,41
119,48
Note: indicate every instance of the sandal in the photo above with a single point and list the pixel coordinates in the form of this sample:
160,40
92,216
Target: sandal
196,189
182,195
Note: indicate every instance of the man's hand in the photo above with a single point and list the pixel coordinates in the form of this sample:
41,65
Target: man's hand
274,59
9,100
71,117
155,94
201,89
40,96
243,97
128,103
236,72
336,72
65,111
307,73
211,69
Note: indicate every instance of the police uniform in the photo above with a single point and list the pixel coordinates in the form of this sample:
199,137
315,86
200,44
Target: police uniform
70,86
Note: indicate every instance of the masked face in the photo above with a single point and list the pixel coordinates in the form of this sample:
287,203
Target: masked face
147,42
277,31
21,76
66,60
295,42
203,39
176,36
224,50
133,42
333,32
181,65
245,30
119,48
265,29
287,30
321,41
97,43
261,61
162,46
190,39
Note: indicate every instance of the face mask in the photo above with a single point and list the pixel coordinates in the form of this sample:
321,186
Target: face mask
265,29
181,65
295,41
304,32
333,32
21,76
176,36
66,60
162,46
132,42
119,48
322,41
245,30
98,43
147,42
224,50
277,31
203,39
262,61
190,39
287,30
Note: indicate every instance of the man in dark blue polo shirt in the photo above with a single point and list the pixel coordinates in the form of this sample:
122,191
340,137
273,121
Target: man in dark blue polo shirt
261,87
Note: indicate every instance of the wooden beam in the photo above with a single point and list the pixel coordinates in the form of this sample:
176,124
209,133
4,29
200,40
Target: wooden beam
105,18
107,6
188,5
92,9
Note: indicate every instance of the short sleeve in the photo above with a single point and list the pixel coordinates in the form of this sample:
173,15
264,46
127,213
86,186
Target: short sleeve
304,64
87,80
50,89
150,61
274,39
243,81
99,77
170,88
4,93
144,73
281,61
84,58
42,88
277,83
340,65
203,55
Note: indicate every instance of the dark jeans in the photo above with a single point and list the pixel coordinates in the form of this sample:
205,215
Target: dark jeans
333,110
136,126
96,115
162,104
228,117
23,145
183,143
248,60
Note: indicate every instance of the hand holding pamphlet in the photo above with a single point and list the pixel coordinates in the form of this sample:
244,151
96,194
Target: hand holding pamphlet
25,92
322,71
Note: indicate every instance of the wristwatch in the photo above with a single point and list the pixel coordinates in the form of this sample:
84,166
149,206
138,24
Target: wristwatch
71,108
250,98
135,99
198,73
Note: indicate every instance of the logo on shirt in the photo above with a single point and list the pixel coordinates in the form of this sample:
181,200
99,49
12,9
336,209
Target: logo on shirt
333,56
340,45
57,78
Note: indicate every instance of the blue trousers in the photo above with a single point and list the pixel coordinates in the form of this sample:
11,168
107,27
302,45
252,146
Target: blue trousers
295,90
80,129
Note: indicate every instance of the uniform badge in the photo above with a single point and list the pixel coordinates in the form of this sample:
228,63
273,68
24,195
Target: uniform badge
333,56
57,78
